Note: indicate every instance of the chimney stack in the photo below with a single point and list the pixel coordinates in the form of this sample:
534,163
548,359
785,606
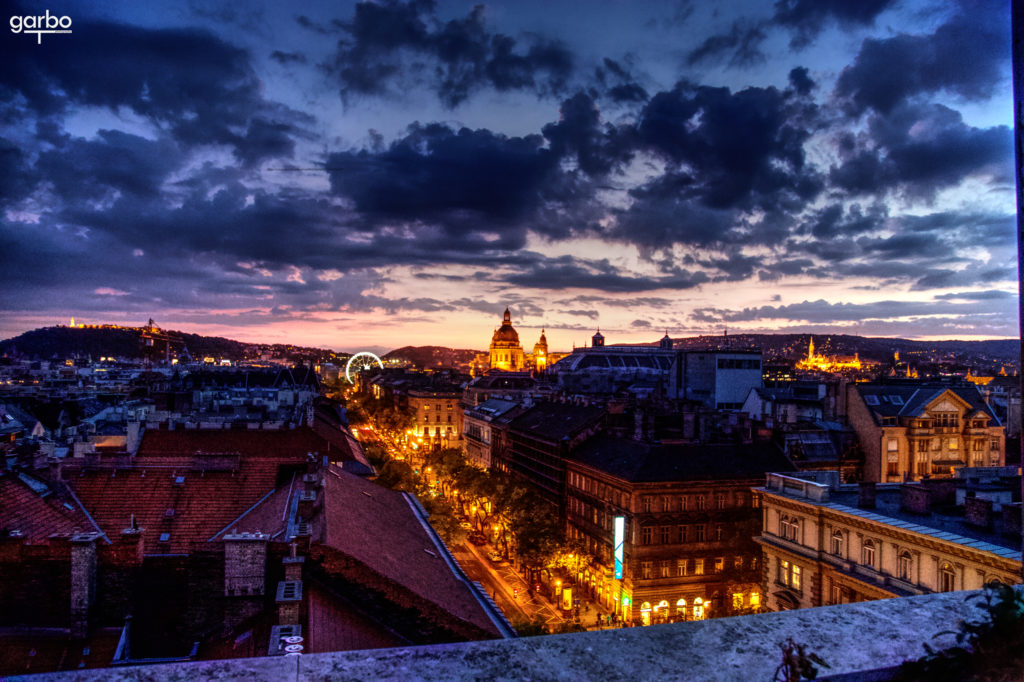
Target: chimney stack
866,495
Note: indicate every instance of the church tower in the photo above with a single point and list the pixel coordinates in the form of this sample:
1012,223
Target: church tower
505,352
540,353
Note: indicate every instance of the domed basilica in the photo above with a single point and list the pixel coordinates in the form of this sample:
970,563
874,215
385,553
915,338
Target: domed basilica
506,353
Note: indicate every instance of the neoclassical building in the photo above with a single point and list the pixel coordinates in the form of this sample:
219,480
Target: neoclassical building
506,353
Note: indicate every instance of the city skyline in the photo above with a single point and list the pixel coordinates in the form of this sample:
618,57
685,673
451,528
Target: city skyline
377,175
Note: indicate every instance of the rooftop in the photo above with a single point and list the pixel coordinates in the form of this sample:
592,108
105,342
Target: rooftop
821,488
641,462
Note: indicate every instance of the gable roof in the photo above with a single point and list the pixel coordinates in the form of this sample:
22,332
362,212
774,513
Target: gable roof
383,530
913,399
639,462
28,506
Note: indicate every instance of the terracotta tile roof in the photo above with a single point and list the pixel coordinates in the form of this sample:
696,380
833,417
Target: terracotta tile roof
250,443
25,652
379,528
171,497
24,509
333,627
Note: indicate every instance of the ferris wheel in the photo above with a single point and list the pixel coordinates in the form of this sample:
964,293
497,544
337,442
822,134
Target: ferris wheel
360,361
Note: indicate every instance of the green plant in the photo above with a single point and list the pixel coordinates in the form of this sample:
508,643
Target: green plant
797,663
991,648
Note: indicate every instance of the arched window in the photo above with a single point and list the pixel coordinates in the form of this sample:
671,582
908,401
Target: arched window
947,578
789,528
837,543
698,609
680,607
868,553
904,567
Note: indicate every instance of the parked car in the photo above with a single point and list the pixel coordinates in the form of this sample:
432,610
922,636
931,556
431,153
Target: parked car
494,556
477,538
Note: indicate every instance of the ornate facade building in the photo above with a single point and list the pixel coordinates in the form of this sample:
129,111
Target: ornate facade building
506,353
826,543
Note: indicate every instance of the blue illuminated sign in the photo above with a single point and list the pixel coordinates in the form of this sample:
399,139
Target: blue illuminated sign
620,538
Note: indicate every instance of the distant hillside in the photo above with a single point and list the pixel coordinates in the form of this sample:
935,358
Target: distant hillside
433,356
794,346
130,342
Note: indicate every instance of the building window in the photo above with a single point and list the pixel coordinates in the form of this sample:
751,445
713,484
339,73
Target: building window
837,543
700,532
892,468
904,566
947,578
719,564
666,535
682,503
893,445
737,601
700,502
645,570
922,446
755,600
954,444
789,574
647,503
698,567
868,553
789,528
835,594
666,503
666,566
646,535
681,567
720,501
755,501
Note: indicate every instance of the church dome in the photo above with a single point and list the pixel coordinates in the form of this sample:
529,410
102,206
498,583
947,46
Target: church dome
506,333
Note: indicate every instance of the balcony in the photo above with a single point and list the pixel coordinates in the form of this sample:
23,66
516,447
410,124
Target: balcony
852,638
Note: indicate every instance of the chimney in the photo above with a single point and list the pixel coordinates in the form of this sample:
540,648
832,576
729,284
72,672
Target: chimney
83,581
866,495
915,499
1011,518
293,564
289,597
134,437
978,511
245,564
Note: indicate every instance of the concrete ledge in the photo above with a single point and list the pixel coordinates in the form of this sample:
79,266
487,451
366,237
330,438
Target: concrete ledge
851,638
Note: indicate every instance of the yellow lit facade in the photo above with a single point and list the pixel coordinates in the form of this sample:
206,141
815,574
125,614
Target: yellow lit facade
821,363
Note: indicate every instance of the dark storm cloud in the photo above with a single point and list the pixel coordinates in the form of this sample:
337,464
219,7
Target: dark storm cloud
616,81
17,178
737,143
286,58
990,295
457,57
835,220
640,324
598,149
464,179
800,80
191,83
743,42
114,162
968,56
567,272
919,150
807,18
824,312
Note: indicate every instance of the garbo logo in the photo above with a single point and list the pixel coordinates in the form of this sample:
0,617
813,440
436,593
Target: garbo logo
45,23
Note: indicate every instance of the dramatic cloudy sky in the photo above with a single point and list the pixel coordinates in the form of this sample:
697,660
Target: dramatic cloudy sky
370,175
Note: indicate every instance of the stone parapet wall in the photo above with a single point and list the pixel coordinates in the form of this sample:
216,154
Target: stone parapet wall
850,638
